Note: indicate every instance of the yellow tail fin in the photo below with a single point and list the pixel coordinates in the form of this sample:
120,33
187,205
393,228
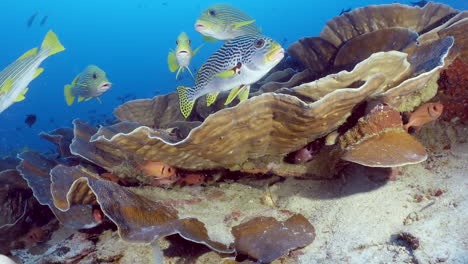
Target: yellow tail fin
51,44
185,104
68,95
172,61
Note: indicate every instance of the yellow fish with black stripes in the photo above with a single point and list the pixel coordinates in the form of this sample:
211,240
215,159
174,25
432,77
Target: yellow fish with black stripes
179,60
15,78
239,63
91,83
225,22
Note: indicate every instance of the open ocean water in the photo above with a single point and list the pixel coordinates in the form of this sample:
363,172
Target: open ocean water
130,41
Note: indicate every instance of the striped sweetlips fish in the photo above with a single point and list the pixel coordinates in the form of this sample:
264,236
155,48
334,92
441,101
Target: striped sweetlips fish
239,63
89,84
225,22
179,60
15,78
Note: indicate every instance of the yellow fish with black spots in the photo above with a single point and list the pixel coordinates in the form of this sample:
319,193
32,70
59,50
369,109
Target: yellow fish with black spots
225,22
91,83
180,58
239,63
15,78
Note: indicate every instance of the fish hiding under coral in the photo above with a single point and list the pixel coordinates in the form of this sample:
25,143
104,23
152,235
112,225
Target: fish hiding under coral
225,22
180,58
15,78
235,66
91,83
424,114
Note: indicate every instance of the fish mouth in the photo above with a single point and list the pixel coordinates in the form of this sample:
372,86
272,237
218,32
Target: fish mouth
199,26
105,86
182,52
275,54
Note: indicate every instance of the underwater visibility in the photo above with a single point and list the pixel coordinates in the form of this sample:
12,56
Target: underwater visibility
154,131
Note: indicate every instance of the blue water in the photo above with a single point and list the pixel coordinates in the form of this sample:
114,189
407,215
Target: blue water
130,41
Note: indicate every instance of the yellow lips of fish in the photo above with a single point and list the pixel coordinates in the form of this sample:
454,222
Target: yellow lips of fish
275,53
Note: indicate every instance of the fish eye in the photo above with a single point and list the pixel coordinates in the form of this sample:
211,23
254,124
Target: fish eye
212,12
259,43
189,41
94,75
177,42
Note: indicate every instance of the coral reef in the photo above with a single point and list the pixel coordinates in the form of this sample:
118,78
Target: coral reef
341,106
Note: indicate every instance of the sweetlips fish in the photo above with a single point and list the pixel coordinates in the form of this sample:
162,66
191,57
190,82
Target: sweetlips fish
15,78
225,22
239,63
91,83
180,58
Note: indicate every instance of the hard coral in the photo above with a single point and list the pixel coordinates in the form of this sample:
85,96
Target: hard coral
453,91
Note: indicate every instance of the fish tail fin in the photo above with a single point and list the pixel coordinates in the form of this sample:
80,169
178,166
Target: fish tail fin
68,94
172,61
178,72
51,44
186,105
190,72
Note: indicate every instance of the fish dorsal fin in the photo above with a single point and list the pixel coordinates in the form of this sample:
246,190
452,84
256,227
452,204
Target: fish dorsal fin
234,92
244,94
196,50
29,53
81,98
38,72
6,87
172,62
211,98
185,104
21,95
209,39
51,44
75,80
241,24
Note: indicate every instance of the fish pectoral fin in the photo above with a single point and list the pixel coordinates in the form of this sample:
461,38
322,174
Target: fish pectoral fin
81,98
211,98
234,92
38,72
209,39
178,72
21,95
28,53
172,61
231,72
190,72
196,50
69,98
244,94
185,104
6,87
51,44
241,24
